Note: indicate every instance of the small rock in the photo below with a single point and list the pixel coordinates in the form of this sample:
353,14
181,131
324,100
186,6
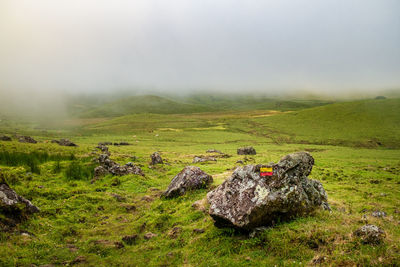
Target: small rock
119,244
240,162
130,239
118,197
203,159
174,232
147,198
198,230
5,138
378,214
64,142
200,205
190,178
370,234
26,139
149,235
214,151
156,158
248,150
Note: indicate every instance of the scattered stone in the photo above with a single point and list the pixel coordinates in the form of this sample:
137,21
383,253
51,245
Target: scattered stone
5,138
104,149
174,232
26,139
248,150
370,234
64,142
130,208
190,178
119,244
147,198
78,259
156,158
200,205
198,159
214,151
130,239
149,235
109,166
378,214
240,162
248,200
99,172
118,197
256,232
198,230
121,144
13,208
105,143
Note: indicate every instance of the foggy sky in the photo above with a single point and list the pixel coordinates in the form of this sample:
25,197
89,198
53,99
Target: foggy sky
49,46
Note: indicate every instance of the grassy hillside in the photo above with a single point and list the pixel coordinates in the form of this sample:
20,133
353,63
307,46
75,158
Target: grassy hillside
369,123
125,105
143,104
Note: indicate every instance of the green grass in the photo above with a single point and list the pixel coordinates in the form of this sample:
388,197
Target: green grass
80,218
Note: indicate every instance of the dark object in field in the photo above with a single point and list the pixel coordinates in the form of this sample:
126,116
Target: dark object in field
26,139
121,144
13,207
105,143
214,151
130,239
149,235
156,158
64,142
198,159
380,97
5,138
248,200
190,178
109,166
247,150
370,234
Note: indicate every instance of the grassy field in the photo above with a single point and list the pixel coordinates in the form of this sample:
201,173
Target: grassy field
357,159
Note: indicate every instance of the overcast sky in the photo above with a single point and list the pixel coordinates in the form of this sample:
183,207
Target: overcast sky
170,45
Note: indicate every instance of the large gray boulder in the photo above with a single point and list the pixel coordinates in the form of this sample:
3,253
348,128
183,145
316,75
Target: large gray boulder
248,200
109,166
13,207
190,178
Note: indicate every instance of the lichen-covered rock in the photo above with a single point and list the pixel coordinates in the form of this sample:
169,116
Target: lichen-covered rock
214,151
248,200
5,138
189,178
370,234
13,207
109,166
247,150
26,139
156,158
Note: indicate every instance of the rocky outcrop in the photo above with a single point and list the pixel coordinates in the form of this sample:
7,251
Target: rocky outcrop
13,207
190,178
370,234
109,166
248,199
198,159
26,139
5,138
247,150
103,148
156,158
121,144
64,142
